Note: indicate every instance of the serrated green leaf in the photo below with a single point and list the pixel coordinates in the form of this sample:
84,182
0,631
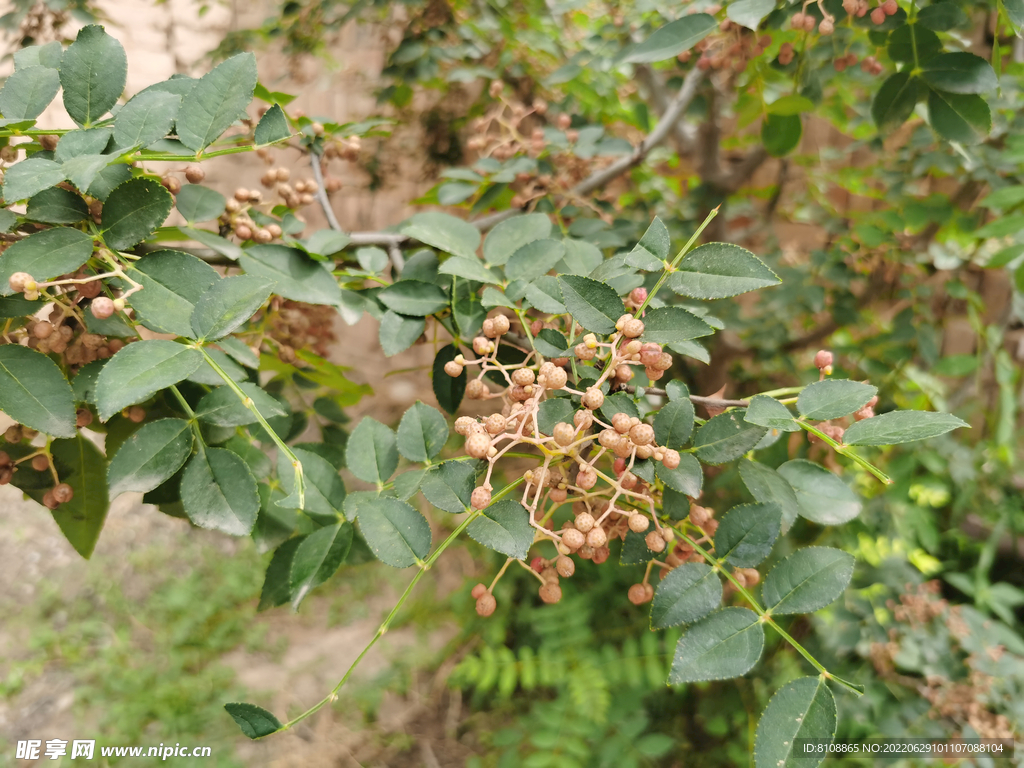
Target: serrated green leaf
57,205
504,527
223,408
145,119
746,534
959,72
27,92
652,250
45,255
272,127
82,466
47,55
413,297
422,433
444,232
34,392
254,721
450,485
198,203
133,212
217,100
593,304
768,486
150,457
685,595
833,398
913,43
317,558
686,478
721,270
964,118
726,437
377,457
219,492
895,101
781,134
396,533
671,325
723,645
672,39
469,269
173,282
140,370
823,497
674,424
398,332
93,73
277,588
749,13
509,236
227,304
942,17
807,580
901,427
802,709
293,274
534,259
29,177
768,412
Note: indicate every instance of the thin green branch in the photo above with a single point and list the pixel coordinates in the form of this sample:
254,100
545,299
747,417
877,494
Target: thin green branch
675,262
844,450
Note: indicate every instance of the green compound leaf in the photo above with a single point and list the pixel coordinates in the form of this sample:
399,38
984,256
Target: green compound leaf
448,390
511,235
227,304
173,282
593,304
504,527
45,255
198,203
272,127
721,646
674,423
959,72
807,580
27,92
444,232
224,408
150,457
376,458
726,437
93,73
721,270
396,533
450,486
746,534
413,297
768,412
140,370
802,709
671,325
145,119
901,427
534,259
768,486
672,39
398,332
254,721
133,211
219,492
317,558
823,497
895,101
422,433
57,206
217,100
687,594
34,392
293,274
686,478
833,398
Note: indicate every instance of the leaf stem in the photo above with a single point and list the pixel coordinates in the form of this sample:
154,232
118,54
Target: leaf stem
675,262
843,450
300,485
383,628
766,617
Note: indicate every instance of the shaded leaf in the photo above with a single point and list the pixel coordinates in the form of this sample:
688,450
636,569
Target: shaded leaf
721,646
133,211
140,370
150,457
685,595
823,497
396,533
217,100
504,527
34,392
219,492
317,558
